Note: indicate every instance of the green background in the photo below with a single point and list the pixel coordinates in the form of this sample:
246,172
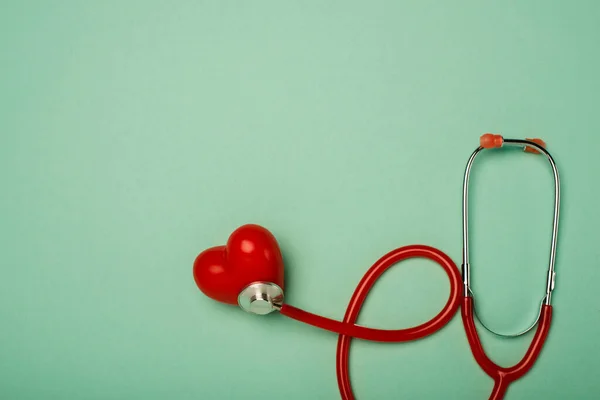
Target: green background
135,134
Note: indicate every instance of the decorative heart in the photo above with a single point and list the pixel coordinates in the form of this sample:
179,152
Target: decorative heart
251,254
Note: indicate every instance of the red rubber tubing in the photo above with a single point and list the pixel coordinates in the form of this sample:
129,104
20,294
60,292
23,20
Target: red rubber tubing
347,328
503,377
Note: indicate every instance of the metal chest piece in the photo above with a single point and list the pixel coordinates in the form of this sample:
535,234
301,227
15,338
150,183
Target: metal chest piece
261,298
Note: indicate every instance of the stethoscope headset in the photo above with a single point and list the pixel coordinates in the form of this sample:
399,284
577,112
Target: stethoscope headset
248,271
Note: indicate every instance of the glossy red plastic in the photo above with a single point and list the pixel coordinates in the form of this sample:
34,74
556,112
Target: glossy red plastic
503,377
490,141
537,141
347,328
251,254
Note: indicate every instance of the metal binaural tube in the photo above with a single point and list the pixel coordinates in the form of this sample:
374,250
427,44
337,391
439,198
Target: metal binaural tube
550,280
466,268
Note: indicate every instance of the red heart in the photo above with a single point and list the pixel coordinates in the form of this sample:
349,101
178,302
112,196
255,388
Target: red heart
251,254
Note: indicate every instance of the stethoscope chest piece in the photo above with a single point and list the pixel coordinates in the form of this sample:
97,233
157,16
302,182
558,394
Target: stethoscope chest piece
261,298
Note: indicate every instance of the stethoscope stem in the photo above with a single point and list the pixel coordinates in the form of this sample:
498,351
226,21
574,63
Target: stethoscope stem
362,332
347,329
504,376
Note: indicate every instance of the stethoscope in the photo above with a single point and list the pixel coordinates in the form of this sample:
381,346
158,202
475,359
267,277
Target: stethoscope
249,272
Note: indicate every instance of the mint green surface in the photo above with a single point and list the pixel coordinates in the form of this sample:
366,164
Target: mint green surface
135,134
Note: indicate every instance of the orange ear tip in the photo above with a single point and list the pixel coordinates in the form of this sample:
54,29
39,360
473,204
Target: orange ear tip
537,141
490,141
